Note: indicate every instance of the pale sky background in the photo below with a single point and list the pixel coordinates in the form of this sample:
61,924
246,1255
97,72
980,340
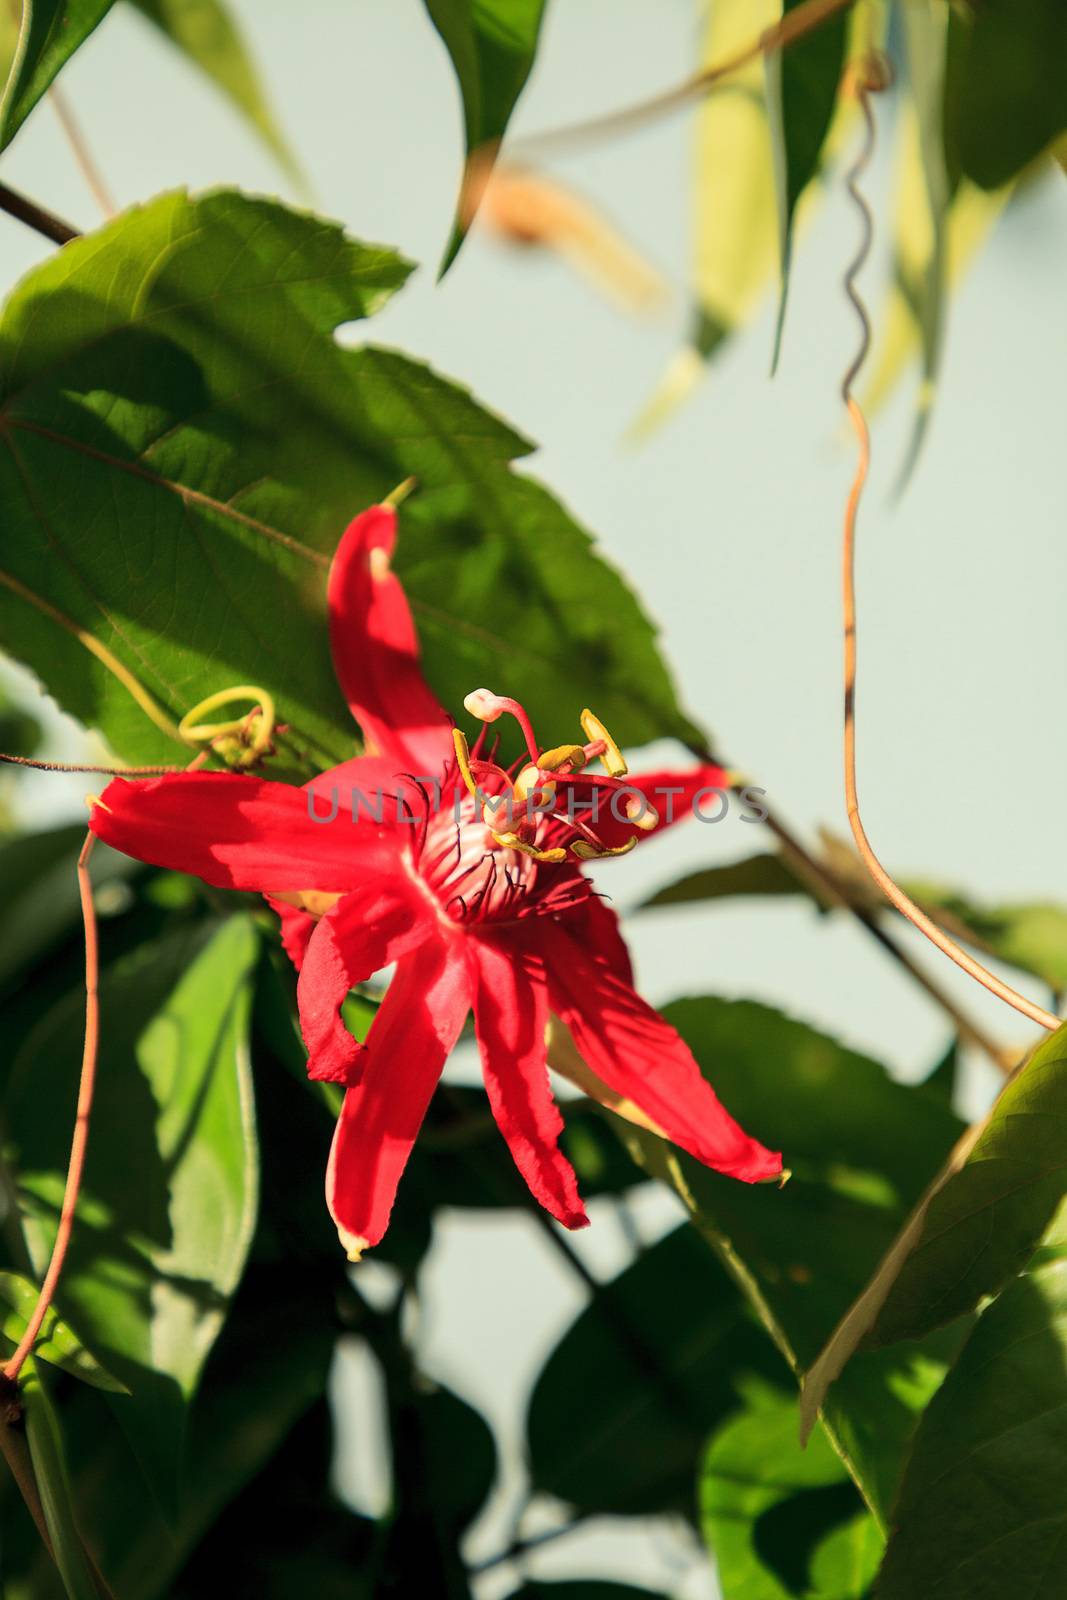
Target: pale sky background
726,521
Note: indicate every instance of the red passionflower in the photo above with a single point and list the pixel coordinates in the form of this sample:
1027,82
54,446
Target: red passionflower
430,855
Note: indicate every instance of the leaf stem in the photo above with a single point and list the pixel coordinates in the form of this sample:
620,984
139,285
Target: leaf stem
865,84
17,1455
34,216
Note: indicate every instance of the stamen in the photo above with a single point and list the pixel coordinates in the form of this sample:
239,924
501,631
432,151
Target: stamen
463,760
591,852
511,841
489,707
572,756
611,755
642,813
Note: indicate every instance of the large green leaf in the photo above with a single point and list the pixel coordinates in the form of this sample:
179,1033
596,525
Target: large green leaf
780,1520
169,1194
982,1511
626,1399
861,1149
183,442
492,44
981,1228
206,32
1006,95
33,49
802,85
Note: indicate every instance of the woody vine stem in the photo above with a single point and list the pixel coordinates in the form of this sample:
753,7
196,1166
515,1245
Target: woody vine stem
874,76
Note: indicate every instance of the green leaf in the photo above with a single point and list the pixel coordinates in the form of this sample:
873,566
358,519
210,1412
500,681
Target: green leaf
781,1520
35,48
626,1399
1029,935
492,44
56,1344
1006,95
763,874
982,1512
734,190
169,1195
206,32
925,25
45,1439
802,85
39,892
861,1149
981,1228
184,442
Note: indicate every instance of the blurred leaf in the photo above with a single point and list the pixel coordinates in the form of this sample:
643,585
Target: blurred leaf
861,1149
981,1228
1006,96
173,384
1029,935
492,44
206,32
169,1195
626,1399
39,891
802,85
736,241
943,1080
33,50
925,25
774,1514
56,1343
45,1439
761,874
982,1512
972,215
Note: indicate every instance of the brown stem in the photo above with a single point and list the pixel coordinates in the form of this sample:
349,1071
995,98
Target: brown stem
892,891
34,216
79,1142
793,26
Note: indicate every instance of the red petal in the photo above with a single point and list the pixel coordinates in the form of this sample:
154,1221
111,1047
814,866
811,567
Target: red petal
297,928
237,833
419,1021
376,652
596,928
510,1017
642,1058
375,925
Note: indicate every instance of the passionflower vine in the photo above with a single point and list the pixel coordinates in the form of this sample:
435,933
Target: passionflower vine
469,876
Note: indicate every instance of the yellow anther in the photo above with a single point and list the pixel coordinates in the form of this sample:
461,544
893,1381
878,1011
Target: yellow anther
92,800
612,757
530,781
463,759
642,813
592,852
241,740
378,563
571,755
511,841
